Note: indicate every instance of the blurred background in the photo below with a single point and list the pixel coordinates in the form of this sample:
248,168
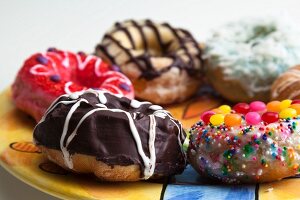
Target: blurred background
31,26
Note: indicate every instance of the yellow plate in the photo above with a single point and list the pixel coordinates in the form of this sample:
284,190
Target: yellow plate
19,156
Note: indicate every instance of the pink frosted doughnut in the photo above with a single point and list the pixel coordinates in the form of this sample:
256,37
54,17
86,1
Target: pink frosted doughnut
45,76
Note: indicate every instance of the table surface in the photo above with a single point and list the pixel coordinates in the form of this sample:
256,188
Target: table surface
32,26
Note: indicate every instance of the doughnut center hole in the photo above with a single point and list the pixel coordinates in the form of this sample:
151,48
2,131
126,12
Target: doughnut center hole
150,44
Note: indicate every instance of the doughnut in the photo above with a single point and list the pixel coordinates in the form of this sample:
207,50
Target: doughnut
113,137
287,85
244,58
249,143
164,63
46,76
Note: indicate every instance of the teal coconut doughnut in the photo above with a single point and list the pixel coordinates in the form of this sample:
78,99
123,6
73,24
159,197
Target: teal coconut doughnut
244,58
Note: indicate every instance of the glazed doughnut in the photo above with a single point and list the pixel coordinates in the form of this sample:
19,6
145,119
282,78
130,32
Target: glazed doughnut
164,63
46,76
244,58
252,143
287,85
115,138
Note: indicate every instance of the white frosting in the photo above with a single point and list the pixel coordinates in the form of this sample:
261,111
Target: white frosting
155,107
66,154
66,60
254,51
41,70
136,104
67,87
152,134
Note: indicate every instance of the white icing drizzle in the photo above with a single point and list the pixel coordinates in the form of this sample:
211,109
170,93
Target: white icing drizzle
155,107
67,87
102,98
149,162
136,104
45,70
82,65
53,64
66,60
116,90
152,134
111,77
54,106
66,154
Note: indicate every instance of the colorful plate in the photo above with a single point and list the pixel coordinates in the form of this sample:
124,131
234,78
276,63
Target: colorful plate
19,156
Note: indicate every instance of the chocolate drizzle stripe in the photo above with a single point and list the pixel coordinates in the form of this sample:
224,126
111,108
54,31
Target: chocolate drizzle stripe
103,49
143,61
150,24
191,61
140,29
127,33
66,154
196,45
127,51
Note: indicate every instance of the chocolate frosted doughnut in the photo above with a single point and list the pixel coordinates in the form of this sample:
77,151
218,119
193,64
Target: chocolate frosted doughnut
163,62
115,138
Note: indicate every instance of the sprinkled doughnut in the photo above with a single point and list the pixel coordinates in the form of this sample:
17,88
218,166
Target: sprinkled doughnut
115,138
244,58
164,63
287,85
249,143
46,76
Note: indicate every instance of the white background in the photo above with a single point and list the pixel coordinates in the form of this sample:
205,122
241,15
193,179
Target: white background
29,26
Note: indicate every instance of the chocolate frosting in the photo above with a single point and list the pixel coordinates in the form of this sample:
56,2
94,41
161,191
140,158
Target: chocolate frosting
107,134
192,62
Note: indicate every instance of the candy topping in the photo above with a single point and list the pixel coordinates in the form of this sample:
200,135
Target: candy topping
296,107
257,106
285,104
270,117
233,120
217,119
55,78
253,118
125,87
296,101
252,114
206,116
41,59
273,106
116,68
287,113
225,109
51,49
242,108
